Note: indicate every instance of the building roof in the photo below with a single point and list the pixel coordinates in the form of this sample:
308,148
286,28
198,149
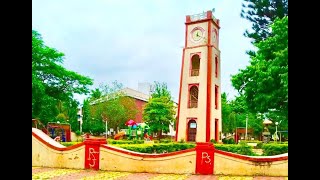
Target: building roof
126,92
130,93
135,94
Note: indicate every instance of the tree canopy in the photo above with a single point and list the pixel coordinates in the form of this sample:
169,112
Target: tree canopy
234,114
159,112
51,82
108,103
262,13
264,83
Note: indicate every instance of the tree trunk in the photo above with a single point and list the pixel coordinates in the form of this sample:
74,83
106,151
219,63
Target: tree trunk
160,134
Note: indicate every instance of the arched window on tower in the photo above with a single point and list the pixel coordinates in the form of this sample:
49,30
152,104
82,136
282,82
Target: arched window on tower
216,67
193,96
195,65
216,102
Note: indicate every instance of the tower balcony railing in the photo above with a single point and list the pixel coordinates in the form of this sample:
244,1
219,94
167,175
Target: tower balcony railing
196,17
194,72
193,103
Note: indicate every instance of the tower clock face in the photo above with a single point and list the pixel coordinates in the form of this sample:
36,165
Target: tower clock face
197,34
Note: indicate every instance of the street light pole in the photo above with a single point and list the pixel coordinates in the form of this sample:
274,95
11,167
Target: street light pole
276,137
106,129
79,114
246,128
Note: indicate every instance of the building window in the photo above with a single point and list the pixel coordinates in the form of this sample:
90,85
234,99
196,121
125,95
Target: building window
217,67
195,65
193,96
216,96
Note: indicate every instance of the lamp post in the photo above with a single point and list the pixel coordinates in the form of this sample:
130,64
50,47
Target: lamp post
79,114
106,129
246,128
80,122
266,132
276,137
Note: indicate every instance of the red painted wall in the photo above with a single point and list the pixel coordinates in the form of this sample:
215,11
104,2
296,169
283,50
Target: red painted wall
140,105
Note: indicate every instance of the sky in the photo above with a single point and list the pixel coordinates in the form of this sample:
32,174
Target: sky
137,41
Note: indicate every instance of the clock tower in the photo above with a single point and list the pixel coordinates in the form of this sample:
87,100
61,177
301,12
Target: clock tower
199,109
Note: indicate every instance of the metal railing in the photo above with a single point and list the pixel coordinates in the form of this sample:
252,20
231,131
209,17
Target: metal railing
194,72
197,17
193,104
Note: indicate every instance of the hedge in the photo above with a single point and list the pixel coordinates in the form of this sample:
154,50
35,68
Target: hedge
241,148
156,148
166,146
112,141
274,149
67,144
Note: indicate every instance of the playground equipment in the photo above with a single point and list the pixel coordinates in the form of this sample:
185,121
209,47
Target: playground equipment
63,130
54,129
146,131
119,135
135,131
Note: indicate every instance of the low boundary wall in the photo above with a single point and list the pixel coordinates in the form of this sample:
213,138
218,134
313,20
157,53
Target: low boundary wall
203,159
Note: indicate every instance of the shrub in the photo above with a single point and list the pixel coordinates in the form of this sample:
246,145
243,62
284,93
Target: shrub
245,149
251,141
78,133
112,141
135,141
156,148
241,148
165,140
274,149
228,141
259,145
67,144
213,141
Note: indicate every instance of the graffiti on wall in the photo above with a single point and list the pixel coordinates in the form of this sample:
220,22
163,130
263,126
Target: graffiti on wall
92,158
205,158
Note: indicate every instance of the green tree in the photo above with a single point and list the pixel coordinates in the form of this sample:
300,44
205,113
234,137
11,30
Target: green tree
71,111
262,13
159,112
264,83
95,94
113,106
116,111
228,116
86,116
234,114
51,82
161,90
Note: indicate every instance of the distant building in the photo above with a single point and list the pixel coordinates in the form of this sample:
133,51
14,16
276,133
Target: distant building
141,99
146,88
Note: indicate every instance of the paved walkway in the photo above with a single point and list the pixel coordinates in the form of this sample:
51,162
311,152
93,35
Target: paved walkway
69,174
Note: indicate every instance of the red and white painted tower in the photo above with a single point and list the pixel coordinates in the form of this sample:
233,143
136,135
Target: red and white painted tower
199,110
